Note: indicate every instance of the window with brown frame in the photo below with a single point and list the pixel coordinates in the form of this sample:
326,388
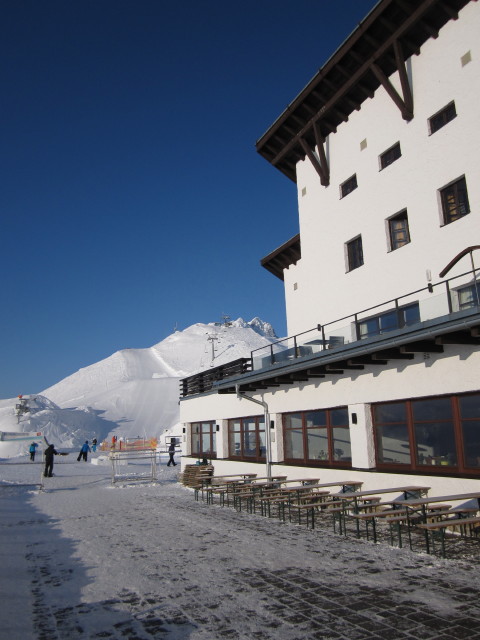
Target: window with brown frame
204,439
390,155
354,253
435,434
320,437
246,438
442,117
454,198
398,230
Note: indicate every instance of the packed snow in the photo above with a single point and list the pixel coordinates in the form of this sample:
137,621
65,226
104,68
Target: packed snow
134,392
144,561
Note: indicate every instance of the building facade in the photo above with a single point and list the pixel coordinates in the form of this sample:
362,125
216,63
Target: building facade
380,376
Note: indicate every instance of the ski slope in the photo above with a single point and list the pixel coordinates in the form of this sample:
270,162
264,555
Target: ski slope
133,392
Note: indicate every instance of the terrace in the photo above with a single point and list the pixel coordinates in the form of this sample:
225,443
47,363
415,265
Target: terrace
423,321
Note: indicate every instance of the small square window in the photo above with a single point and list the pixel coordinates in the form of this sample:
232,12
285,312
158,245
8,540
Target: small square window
398,230
440,119
390,155
354,253
348,186
454,199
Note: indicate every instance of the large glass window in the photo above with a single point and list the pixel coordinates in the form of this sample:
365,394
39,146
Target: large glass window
318,437
204,439
469,410
246,438
385,322
441,433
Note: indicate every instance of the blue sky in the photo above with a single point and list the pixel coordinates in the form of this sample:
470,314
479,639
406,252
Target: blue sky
132,197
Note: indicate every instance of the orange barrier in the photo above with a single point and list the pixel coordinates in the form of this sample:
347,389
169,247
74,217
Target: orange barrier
129,445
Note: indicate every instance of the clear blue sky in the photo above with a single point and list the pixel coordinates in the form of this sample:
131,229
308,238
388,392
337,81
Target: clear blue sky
132,198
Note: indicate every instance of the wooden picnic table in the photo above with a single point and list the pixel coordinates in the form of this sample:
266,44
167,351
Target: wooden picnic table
413,505
348,486
422,502
239,476
350,500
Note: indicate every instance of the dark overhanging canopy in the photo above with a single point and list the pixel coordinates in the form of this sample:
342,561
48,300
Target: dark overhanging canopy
391,33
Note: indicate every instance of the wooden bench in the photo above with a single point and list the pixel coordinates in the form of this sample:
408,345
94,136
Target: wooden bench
440,527
193,476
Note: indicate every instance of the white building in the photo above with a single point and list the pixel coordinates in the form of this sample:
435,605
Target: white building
381,374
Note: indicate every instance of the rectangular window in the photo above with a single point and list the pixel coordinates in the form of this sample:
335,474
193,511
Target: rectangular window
390,320
468,296
437,434
204,439
442,117
390,155
354,253
399,233
318,437
246,438
454,201
348,186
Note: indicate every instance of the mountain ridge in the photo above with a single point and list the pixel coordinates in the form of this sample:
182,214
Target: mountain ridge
133,392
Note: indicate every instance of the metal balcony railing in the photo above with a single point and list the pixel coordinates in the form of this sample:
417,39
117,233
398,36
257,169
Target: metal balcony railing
433,301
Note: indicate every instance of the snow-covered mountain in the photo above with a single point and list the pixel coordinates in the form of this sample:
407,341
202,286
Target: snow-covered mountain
134,392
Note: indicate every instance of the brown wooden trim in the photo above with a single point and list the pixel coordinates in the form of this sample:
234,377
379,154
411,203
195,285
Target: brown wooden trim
392,92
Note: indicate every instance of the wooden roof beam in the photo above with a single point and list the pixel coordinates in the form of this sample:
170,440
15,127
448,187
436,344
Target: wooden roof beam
448,10
458,337
405,103
392,354
413,16
422,346
366,360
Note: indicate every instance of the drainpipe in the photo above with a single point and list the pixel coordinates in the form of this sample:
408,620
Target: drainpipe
267,428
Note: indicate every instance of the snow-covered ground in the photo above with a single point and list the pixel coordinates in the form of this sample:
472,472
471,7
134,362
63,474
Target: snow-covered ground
85,560
134,392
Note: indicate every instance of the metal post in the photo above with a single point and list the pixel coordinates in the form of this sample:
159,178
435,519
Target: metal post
268,442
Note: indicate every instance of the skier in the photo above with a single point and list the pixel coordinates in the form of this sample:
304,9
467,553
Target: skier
84,452
49,453
171,453
32,450
94,445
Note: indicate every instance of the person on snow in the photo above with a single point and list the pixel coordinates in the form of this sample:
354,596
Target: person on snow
83,452
49,453
171,453
94,445
33,449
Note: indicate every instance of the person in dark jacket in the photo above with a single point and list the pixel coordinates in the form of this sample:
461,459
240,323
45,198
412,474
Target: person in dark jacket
84,452
49,453
171,453
33,450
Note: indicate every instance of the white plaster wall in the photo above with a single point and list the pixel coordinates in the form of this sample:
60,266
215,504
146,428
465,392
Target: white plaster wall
324,290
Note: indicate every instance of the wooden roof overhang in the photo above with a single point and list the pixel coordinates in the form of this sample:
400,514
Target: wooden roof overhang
289,253
391,33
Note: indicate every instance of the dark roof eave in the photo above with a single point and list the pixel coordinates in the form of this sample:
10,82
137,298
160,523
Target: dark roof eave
284,256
